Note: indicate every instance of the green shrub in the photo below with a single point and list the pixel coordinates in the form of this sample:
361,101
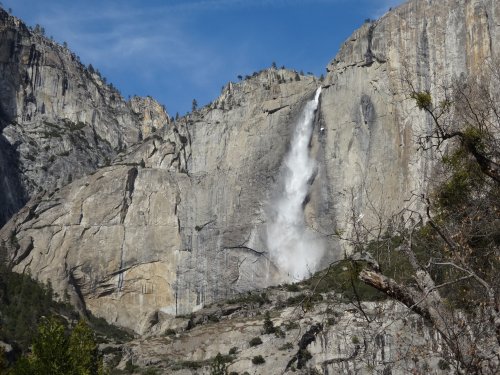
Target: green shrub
51,133
258,360
130,367
192,365
295,300
291,325
306,300
170,332
74,126
423,99
286,346
233,350
218,366
268,325
292,288
213,318
443,365
3,360
343,278
255,341
251,298
279,333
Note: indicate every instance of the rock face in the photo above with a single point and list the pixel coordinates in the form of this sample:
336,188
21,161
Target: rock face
179,220
58,119
371,124
152,115
176,221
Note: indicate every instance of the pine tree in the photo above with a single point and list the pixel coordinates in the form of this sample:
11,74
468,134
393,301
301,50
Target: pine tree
3,360
23,366
54,353
50,349
82,350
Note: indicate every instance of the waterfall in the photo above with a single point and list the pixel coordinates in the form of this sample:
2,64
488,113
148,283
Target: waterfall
293,248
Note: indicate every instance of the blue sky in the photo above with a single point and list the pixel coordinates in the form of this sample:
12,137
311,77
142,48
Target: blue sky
177,50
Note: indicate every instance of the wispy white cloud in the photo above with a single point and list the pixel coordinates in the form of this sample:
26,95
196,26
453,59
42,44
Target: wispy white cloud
152,39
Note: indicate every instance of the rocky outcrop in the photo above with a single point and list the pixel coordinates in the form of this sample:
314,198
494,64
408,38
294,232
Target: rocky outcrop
59,120
152,115
179,220
332,337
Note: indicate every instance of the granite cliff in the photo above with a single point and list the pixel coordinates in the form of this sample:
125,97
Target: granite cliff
178,220
371,149
175,221
59,120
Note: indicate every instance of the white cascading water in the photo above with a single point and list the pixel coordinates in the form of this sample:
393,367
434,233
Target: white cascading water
293,248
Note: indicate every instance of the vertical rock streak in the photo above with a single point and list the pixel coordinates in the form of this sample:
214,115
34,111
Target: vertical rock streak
294,249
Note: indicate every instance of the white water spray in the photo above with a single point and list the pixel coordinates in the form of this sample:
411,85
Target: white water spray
293,248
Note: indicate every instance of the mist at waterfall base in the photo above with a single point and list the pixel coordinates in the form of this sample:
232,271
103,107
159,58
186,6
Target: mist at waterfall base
293,248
